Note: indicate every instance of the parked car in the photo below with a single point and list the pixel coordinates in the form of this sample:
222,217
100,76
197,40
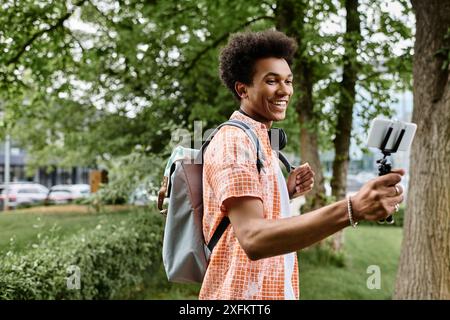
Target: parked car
65,193
23,194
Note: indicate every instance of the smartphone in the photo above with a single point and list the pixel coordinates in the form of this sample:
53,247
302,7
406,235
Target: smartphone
379,128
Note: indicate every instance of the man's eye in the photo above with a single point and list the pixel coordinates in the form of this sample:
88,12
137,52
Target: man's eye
289,81
271,81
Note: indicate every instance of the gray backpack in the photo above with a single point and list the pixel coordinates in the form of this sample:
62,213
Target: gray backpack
185,252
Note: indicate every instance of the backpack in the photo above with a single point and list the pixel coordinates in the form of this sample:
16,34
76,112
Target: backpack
185,252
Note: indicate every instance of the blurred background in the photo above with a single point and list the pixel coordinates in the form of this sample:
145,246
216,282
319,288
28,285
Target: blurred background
93,93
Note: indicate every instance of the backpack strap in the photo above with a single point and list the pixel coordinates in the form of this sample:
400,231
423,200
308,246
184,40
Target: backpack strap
218,233
255,139
285,162
251,134
260,158
249,131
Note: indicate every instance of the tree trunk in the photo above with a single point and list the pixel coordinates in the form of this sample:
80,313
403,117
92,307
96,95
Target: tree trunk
290,19
309,147
424,269
345,109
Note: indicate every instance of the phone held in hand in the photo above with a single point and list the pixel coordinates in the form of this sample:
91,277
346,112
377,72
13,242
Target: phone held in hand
396,135
390,136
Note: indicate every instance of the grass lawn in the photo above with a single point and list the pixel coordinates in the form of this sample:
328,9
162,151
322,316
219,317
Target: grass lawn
20,229
323,276
363,247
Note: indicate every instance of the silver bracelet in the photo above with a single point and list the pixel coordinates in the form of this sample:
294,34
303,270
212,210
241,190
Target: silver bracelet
350,212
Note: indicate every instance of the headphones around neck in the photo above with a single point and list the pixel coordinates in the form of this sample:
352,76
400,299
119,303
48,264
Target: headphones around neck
277,136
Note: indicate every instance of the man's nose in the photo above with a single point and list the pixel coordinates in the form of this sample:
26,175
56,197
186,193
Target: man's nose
284,90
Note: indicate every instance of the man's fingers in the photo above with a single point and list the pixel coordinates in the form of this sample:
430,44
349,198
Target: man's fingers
399,199
306,183
399,171
299,191
298,169
396,200
390,179
302,187
302,168
398,188
303,172
305,176
393,191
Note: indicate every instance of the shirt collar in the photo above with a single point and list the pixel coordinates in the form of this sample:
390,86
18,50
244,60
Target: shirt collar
259,128
255,124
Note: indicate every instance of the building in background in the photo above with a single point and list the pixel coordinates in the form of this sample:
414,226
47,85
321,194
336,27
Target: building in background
75,175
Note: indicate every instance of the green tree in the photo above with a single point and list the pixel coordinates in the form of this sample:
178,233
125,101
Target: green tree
308,70
344,108
334,70
97,79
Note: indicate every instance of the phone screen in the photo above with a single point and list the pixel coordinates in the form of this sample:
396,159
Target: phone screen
379,128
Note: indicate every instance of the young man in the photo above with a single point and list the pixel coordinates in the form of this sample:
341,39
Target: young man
255,257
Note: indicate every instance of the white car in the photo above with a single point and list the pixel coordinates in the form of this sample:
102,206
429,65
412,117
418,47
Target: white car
65,193
23,193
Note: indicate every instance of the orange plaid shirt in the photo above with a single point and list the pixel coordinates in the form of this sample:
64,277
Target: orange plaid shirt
229,170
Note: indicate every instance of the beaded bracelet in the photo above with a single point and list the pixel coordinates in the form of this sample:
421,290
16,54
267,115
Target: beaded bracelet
350,212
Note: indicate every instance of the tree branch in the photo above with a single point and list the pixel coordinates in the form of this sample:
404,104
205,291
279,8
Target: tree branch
30,41
371,76
219,40
177,12
4,79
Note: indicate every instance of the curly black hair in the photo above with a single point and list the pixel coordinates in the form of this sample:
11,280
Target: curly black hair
238,57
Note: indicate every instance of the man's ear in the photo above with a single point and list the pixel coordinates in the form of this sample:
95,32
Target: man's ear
241,89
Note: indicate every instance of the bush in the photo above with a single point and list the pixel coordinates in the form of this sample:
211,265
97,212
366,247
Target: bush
399,217
126,173
112,258
322,254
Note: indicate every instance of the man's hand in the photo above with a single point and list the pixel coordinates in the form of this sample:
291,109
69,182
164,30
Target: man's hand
300,181
376,200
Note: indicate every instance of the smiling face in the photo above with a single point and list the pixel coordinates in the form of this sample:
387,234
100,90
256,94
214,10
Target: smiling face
267,98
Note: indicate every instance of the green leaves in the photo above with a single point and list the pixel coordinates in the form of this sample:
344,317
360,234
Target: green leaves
112,258
100,78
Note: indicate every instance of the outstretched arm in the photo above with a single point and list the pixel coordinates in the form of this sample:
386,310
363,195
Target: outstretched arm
262,238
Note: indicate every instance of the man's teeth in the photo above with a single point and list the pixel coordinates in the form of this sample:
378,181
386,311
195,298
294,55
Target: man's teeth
280,103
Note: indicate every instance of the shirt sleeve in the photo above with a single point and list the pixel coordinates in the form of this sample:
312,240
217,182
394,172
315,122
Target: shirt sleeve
230,166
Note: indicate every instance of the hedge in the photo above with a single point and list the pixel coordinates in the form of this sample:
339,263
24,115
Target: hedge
111,259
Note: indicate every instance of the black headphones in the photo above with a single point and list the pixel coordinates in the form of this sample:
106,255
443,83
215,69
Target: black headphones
282,138
277,136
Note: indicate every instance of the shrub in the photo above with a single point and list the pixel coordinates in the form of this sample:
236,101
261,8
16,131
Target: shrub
112,258
126,173
322,254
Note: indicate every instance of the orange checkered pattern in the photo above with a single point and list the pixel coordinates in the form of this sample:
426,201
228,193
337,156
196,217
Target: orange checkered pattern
229,170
